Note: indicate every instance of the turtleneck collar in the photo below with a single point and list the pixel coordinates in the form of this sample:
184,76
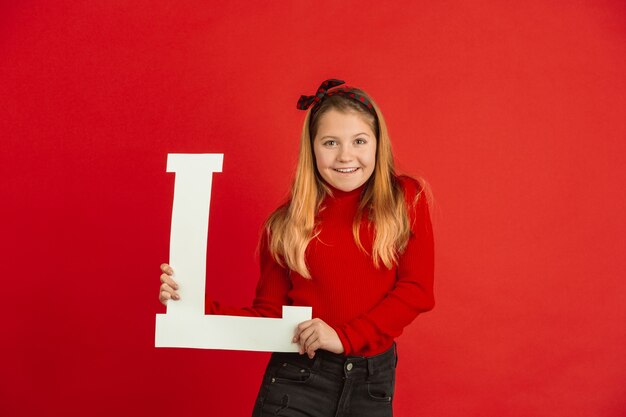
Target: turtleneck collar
343,195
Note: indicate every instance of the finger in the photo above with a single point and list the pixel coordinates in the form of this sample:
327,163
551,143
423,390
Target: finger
310,340
306,343
167,269
304,335
309,328
313,333
166,288
166,279
306,324
301,344
300,328
297,335
312,348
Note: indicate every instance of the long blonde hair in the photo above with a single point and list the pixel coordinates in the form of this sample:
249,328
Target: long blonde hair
293,225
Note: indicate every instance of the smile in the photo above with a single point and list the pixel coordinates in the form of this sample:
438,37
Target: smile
345,170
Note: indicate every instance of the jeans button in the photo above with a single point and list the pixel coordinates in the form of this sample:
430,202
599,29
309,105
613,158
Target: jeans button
349,366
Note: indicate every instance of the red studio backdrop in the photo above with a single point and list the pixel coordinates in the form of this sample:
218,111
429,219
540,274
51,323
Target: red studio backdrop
515,113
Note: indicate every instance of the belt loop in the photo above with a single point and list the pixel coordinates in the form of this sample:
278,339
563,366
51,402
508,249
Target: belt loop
395,353
370,367
317,361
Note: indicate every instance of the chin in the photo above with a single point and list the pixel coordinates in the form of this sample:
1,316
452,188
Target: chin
347,187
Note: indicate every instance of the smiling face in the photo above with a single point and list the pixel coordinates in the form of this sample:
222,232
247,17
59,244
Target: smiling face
345,149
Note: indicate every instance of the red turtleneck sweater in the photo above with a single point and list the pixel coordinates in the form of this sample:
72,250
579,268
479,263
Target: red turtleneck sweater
367,307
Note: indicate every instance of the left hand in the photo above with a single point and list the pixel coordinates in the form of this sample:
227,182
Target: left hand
315,334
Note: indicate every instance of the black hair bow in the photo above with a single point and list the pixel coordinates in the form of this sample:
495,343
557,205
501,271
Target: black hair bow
305,101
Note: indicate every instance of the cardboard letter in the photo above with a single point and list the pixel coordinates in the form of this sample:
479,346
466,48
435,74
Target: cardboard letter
185,324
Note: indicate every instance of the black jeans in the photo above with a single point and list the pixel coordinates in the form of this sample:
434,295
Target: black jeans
329,385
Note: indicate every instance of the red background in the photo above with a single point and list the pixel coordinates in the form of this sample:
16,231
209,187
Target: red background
514,111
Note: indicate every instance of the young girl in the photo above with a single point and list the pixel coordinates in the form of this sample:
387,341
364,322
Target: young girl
355,242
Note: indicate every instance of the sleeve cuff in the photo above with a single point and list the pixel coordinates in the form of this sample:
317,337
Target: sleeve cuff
347,348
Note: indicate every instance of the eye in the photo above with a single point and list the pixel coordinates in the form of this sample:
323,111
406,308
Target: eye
329,142
360,141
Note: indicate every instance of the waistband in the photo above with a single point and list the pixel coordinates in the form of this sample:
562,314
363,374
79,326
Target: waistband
348,365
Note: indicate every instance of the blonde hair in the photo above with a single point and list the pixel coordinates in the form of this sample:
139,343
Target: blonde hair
293,225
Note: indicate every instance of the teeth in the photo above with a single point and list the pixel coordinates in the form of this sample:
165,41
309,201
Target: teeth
346,170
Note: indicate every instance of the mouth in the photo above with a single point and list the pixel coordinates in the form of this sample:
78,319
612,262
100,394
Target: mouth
345,170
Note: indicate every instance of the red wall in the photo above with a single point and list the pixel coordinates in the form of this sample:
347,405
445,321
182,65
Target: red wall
514,111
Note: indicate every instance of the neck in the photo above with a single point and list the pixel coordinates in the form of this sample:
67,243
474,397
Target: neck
340,194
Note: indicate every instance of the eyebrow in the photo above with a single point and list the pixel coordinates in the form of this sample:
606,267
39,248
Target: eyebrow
334,137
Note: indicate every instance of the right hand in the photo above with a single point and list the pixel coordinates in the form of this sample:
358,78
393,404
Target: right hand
168,285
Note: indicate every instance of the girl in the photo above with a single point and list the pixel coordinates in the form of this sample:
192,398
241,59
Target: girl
355,242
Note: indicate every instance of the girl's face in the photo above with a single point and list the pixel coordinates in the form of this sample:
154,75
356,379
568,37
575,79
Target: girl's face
345,149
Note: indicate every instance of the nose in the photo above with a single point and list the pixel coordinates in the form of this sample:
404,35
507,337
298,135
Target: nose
345,154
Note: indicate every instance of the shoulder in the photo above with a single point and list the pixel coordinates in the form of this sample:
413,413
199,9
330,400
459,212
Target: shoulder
418,198
414,189
276,217
272,233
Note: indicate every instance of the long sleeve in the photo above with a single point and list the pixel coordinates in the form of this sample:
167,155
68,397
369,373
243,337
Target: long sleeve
413,290
271,290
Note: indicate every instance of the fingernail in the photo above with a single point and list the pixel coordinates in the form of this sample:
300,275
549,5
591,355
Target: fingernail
177,297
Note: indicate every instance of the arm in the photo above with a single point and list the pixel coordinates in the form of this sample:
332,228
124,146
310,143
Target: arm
413,292
271,291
